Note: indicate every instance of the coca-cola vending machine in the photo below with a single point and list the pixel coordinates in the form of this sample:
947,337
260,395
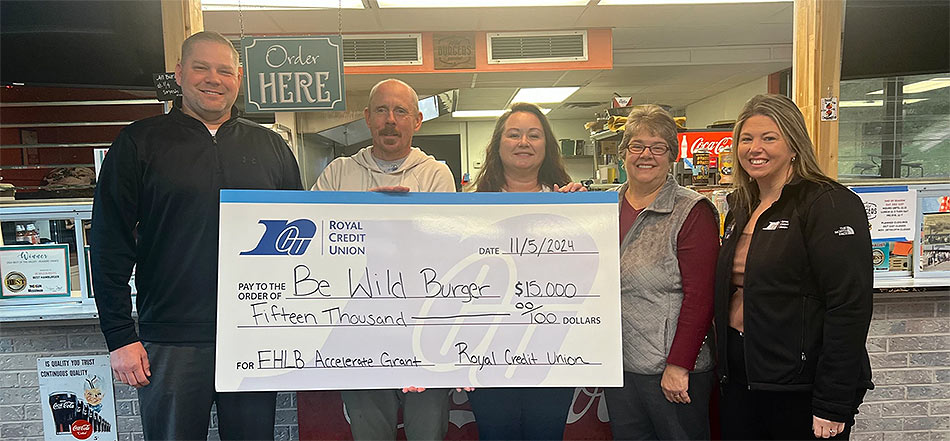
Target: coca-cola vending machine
715,151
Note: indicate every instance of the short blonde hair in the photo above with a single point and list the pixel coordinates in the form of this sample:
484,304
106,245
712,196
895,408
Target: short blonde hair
207,36
652,119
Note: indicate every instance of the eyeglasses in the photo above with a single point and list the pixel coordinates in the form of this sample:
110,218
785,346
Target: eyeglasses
655,149
398,112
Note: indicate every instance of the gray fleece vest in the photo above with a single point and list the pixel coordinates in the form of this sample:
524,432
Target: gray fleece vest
651,289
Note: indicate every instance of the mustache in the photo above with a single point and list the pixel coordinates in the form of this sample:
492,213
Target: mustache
389,131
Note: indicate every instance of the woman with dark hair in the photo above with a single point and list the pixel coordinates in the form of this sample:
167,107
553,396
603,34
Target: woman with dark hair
793,286
669,240
523,156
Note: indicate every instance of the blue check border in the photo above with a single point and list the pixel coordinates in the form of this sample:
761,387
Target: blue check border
412,198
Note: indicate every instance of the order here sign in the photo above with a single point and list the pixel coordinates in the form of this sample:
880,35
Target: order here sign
294,73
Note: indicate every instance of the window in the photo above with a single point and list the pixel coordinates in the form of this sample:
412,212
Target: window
895,127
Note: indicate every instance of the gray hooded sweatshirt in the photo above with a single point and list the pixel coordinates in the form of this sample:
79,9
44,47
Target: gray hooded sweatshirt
419,172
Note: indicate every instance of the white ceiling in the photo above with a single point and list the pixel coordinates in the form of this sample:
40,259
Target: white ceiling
671,54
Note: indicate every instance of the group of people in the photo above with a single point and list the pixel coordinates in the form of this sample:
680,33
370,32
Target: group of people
778,313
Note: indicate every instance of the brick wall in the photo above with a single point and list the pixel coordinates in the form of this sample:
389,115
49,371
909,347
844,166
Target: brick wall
21,416
909,345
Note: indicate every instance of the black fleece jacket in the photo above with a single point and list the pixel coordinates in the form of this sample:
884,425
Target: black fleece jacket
807,301
156,207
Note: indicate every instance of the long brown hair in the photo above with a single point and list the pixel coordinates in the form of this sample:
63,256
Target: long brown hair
791,124
492,176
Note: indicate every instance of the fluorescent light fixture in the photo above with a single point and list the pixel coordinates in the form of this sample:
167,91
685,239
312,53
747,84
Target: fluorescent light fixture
920,86
475,3
248,5
927,85
484,113
477,113
861,103
875,103
539,95
682,2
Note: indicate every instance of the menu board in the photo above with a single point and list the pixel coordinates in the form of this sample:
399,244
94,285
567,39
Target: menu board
166,87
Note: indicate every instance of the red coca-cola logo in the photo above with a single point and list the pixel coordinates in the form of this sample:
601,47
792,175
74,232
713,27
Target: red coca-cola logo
716,147
81,429
713,143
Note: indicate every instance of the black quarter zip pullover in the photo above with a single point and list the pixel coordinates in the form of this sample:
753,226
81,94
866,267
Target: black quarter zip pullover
156,207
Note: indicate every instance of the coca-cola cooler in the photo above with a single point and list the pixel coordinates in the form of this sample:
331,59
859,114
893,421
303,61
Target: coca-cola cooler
714,163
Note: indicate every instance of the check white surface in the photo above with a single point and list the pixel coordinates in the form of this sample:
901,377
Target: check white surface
432,290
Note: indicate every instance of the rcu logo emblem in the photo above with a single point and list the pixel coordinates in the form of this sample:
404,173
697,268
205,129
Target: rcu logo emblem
283,238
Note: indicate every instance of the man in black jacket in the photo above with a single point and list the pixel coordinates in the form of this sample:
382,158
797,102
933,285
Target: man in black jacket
156,207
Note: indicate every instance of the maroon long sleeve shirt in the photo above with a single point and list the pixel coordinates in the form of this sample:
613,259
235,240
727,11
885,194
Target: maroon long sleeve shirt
697,248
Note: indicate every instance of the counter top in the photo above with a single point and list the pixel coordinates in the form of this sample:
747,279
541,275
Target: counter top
911,282
56,311
46,202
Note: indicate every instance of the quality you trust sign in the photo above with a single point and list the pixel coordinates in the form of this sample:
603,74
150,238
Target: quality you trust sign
294,73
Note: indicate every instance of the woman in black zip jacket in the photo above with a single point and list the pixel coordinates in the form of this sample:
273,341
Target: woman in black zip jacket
793,286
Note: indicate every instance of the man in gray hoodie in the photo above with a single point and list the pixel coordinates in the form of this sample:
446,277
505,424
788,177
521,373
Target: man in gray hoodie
392,164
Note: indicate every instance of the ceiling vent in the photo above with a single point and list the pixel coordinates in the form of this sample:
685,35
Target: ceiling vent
382,49
537,47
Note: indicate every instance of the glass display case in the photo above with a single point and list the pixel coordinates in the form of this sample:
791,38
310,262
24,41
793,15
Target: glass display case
44,261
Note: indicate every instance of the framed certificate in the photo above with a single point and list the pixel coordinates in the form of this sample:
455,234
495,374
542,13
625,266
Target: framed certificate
35,271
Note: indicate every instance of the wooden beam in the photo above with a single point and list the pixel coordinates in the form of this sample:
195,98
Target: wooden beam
816,72
180,19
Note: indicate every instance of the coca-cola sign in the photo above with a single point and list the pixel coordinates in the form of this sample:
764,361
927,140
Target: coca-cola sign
712,142
81,429
64,405
78,391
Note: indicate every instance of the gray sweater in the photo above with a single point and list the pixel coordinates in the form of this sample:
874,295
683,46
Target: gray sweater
651,290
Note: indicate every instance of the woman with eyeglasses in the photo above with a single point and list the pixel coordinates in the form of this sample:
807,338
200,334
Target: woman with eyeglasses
669,241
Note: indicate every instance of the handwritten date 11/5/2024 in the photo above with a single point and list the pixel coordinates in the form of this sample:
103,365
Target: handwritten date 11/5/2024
528,246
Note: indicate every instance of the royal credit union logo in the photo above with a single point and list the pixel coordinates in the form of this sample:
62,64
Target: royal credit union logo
282,238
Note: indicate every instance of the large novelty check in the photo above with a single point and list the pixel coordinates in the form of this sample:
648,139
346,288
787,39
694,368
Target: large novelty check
345,290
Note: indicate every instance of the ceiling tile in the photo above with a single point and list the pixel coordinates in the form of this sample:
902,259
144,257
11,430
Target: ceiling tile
484,98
